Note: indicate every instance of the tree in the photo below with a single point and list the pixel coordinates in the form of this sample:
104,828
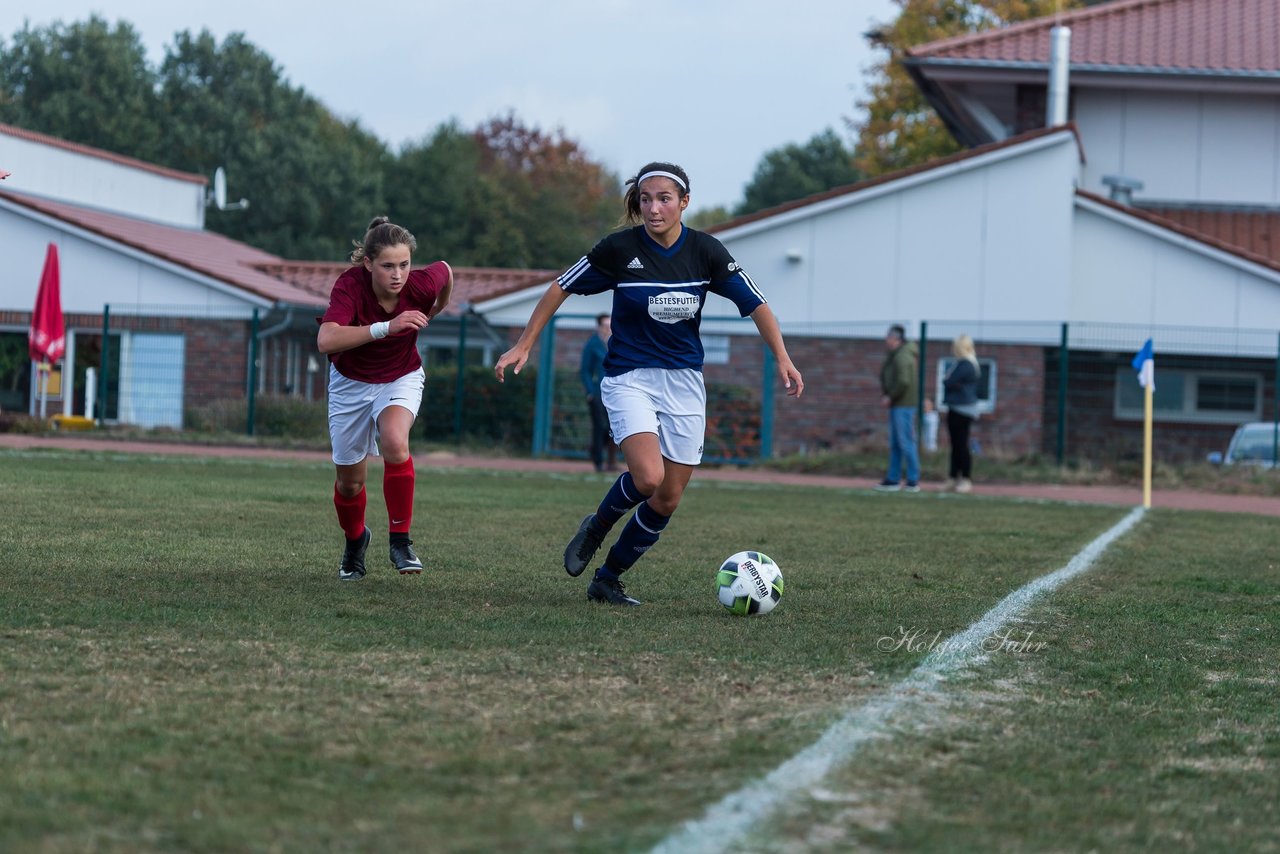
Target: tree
707,217
85,82
505,195
901,129
795,171
455,210
501,195
313,181
560,200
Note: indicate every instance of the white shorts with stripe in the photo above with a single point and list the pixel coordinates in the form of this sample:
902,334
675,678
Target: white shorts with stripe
354,407
669,402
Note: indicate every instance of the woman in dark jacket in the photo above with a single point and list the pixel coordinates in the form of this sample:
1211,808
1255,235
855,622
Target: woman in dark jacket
960,397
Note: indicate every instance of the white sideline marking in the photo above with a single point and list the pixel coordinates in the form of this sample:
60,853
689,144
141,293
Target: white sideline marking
727,822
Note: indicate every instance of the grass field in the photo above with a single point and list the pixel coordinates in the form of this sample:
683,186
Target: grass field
182,670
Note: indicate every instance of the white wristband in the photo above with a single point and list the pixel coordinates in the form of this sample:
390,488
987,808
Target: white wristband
380,329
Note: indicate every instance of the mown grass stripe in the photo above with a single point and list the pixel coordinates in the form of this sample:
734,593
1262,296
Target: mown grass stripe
726,823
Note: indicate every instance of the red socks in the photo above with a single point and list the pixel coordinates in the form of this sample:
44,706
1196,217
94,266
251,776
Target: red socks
350,512
397,488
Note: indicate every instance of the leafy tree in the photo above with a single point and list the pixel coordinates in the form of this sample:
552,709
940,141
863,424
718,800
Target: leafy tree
86,82
707,217
504,195
795,171
313,181
559,199
501,195
455,210
901,129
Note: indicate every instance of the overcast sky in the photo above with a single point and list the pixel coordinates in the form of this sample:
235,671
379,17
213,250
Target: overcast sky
711,85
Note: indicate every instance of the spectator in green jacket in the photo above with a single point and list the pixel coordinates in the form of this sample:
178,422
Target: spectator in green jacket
898,382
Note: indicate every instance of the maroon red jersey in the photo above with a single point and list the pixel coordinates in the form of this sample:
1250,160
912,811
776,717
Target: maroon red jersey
352,303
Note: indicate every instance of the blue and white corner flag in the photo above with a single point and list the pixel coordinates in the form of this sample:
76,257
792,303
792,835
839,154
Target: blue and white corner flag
1145,364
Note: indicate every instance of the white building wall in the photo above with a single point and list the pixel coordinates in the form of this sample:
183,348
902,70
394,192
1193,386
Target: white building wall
83,179
1126,271
96,272
1211,147
985,241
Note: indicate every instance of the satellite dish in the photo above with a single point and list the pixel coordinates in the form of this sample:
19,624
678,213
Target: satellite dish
219,197
220,188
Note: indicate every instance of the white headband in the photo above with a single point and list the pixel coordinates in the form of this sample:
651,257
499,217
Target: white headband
659,174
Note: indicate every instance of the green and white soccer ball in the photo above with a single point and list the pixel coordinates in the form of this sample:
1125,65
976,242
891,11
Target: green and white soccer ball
749,583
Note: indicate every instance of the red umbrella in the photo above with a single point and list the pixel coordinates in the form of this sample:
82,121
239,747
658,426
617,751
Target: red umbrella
47,339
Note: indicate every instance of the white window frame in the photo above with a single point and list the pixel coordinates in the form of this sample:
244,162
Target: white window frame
986,405
1190,412
715,348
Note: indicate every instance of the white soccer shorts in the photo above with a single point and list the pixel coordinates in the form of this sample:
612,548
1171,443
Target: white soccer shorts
669,402
354,407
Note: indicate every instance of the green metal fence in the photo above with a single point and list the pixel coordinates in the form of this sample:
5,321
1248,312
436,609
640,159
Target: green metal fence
1056,391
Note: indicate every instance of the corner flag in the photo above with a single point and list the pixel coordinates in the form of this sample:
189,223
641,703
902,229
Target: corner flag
1145,364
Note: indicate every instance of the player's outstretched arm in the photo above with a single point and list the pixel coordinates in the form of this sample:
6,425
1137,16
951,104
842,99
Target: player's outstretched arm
542,312
767,325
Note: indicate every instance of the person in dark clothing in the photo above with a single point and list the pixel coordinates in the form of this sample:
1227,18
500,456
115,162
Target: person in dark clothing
592,372
960,397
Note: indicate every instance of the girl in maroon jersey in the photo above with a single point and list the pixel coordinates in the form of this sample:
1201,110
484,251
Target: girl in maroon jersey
370,334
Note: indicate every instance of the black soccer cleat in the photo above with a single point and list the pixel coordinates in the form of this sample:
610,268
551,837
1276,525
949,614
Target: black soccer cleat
352,566
584,545
403,556
612,592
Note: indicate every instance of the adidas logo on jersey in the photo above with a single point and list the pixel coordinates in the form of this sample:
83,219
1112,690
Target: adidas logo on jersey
635,264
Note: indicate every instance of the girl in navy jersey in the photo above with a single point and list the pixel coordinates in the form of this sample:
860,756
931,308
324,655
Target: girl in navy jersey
370,333
660,273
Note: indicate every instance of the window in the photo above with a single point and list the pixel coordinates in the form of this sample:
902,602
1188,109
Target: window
986,383
1212,397
151,379
715,349
15,372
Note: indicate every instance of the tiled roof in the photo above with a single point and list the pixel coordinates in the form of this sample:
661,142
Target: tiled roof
54,142
1256,231
1209,238
896,176
1210,36
202,252
304,283
470,284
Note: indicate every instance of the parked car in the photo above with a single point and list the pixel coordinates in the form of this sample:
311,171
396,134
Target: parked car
1251,444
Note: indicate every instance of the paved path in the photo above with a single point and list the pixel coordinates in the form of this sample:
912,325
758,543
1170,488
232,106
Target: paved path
1127,496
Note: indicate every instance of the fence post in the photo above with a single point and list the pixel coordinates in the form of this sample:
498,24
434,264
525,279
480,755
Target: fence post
251,386
766,404
920,374
461,387
544,393
1061,450
102,375
1275,410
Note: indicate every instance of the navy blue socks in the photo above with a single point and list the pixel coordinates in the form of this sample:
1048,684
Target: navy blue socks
622,496
639,535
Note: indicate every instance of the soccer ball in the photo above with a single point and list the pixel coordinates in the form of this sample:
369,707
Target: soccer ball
749,583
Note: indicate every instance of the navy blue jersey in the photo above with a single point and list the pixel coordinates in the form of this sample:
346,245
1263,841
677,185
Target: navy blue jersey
658,294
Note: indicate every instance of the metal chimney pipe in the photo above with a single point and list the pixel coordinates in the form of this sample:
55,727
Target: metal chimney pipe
1059,61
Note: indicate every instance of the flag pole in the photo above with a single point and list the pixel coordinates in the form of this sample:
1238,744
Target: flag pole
1146,445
